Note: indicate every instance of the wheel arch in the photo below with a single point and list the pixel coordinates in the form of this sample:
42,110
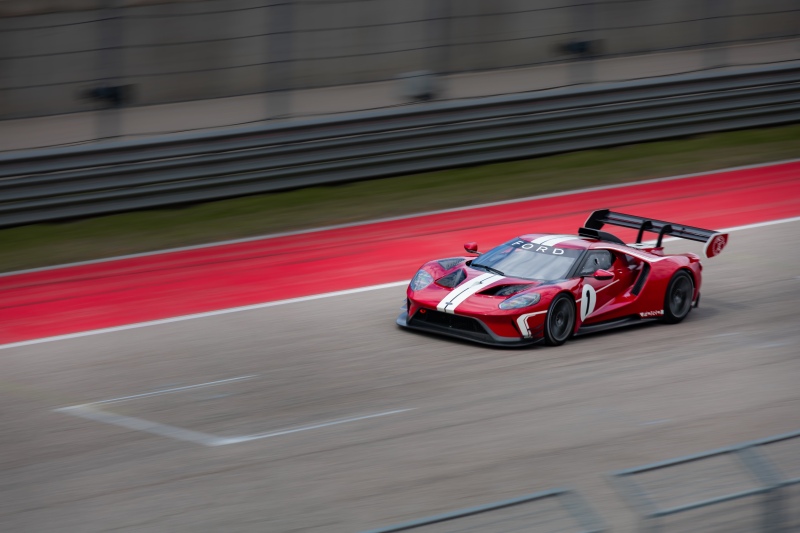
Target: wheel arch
569,296
695,281
570,292
673,315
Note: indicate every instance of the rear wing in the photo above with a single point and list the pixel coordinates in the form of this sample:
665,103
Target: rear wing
714,240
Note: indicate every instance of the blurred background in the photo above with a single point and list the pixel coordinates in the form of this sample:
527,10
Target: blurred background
211,63
129,127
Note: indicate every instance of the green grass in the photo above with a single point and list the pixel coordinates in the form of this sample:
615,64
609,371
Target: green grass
49,244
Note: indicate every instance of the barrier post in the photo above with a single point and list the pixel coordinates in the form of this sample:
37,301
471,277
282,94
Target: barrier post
109,69
280,25
772,508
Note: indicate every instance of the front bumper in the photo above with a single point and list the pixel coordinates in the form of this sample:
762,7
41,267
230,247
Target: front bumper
462,327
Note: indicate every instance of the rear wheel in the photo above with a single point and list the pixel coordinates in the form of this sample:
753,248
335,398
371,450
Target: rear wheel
678,300
560,320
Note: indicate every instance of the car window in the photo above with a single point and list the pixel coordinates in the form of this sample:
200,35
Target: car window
522,259
595,260
632,262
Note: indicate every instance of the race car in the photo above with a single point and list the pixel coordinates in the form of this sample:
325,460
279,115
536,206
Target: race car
545,288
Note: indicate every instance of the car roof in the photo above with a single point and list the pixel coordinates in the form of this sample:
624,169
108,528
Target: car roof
557,240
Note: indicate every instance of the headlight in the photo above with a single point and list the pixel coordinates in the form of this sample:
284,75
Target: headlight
421,280
521,300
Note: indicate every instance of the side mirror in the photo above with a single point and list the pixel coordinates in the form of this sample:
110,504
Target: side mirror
602,275
471,247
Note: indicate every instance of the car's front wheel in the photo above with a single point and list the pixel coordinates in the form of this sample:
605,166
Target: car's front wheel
560,321
678,300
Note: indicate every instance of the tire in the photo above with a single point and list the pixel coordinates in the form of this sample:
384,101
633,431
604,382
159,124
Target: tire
678,300
560,321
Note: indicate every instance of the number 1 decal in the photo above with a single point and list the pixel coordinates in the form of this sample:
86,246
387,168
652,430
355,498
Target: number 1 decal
588,300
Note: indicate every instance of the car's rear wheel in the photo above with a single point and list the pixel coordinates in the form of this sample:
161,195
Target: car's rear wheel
678,300
560,321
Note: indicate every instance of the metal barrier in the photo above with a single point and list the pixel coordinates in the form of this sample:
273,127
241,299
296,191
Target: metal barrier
719,482
765,472
554,510
62,183
122,52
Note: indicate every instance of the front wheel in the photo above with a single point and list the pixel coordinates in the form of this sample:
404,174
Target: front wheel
678,300
560,320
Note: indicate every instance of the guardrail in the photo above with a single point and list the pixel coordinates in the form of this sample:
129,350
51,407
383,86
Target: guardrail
680,486
54,184
570,514
762,472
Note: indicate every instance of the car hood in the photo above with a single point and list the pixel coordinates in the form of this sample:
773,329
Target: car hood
490,279
475,285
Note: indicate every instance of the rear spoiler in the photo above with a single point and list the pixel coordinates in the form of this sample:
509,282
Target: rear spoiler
714,240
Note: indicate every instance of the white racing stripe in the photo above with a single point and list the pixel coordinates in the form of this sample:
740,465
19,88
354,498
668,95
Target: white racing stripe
449,303
553,240
465,290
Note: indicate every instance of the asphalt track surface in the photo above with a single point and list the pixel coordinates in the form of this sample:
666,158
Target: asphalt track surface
323,416
482,424
108,294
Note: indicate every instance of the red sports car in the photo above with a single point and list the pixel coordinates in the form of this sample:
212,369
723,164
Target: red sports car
546,288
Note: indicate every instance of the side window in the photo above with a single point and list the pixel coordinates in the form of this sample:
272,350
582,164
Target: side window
632,262
597,259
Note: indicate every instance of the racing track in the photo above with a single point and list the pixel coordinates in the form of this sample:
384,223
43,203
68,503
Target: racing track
483,424
352,423
108,294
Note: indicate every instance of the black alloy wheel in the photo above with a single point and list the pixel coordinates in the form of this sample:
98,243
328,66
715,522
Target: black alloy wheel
678,300
560,321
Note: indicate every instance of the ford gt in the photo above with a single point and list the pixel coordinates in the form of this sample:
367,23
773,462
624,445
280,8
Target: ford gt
545,288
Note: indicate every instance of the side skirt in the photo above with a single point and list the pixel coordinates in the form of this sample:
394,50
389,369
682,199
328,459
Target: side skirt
611,324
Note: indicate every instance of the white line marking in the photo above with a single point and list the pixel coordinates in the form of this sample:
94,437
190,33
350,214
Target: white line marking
284,302
762,224
138,424
774,344
203,315
174,389
187,435
653,422
247,438
393,219
736,228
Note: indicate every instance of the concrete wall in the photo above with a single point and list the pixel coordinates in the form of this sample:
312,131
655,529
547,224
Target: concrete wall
53,51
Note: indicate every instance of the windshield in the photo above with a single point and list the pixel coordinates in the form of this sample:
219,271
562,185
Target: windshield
522,259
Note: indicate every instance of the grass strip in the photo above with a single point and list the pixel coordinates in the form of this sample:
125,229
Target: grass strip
57,243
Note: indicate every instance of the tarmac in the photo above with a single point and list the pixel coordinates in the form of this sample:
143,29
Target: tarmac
138,122
323,417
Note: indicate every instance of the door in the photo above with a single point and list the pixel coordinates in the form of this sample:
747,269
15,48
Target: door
596,294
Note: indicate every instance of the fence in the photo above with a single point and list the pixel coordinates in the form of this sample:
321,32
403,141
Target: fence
747,488
552,511
81,181
89,54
